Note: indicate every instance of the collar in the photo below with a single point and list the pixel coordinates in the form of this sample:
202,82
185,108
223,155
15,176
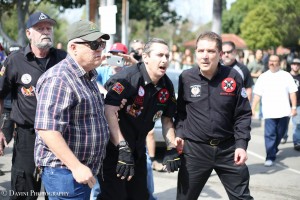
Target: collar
79,71
29,54
161,83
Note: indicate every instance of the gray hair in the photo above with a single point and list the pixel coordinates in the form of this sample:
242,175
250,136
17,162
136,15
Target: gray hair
148,45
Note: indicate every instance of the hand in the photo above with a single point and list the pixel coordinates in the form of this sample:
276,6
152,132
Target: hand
240,156
179,144
125,165
172,160
129,59
82,174
3,143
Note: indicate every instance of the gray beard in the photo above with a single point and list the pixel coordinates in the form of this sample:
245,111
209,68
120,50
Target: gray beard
44,45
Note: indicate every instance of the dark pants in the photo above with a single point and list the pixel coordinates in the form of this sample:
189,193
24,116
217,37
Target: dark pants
7,125
23,165
200,159
113,188
275,129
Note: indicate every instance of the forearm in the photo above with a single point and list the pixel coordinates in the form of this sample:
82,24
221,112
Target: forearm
249,93
255,101
168,131
59,147
293,98
113,124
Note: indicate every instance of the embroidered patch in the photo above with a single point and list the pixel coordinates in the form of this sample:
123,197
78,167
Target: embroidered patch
244,93
134,110
141,91
195,90
157,115
28,91
118,88
228,84
163,95
26,78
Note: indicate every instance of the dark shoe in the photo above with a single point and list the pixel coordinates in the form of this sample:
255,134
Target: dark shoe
1,173
297,147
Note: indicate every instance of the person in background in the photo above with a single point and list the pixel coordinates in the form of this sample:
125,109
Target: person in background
277,89
72,131
175,58
187,59
2,54
213,118
295,66
21,71
229,59
150,96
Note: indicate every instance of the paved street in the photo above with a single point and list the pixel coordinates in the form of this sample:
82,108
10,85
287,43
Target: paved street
280,182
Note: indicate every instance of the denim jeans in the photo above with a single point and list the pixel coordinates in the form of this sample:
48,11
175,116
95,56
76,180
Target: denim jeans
296,127
60,184
275,128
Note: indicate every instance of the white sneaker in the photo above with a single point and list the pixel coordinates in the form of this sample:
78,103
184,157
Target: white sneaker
268,163
283,140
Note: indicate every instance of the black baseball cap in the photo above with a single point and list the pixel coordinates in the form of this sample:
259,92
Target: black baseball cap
39,17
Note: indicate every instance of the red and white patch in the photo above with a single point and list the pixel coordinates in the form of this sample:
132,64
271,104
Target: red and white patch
118,88
163,95
28,92
228,84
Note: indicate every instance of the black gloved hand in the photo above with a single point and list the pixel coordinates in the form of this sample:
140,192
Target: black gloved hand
172,160
125,165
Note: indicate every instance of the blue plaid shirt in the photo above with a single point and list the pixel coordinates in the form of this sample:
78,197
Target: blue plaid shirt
69,102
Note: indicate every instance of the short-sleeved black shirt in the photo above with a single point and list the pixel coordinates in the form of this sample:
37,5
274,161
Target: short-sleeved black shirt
19,75
245,73
213,109
146,102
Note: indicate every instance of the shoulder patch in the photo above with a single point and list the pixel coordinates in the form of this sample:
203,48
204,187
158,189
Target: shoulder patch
244,93
118,88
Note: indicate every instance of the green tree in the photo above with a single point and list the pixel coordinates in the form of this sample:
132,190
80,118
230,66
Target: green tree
260,30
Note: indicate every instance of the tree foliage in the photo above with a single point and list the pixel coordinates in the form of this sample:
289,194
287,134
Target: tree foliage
264,24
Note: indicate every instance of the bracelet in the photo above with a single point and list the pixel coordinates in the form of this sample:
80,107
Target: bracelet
294,107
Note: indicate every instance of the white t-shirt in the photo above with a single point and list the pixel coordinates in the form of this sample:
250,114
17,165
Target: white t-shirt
275,89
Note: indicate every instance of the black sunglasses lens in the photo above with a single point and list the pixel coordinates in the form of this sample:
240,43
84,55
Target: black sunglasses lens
95,45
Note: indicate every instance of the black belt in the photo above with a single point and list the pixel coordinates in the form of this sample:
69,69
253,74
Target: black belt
213,141
25,126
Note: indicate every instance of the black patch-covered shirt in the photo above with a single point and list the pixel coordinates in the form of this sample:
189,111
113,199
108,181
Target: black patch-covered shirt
146,102
19,75
213,109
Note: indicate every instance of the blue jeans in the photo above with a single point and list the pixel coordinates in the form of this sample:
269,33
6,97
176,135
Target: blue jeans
275,128
150,182
296,127
60,184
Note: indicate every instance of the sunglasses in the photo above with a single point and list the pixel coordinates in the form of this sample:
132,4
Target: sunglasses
228,52
94,45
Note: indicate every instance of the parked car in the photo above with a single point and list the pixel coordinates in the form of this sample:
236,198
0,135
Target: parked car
174,76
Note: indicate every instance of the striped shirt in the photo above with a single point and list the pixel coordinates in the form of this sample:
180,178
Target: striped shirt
69,102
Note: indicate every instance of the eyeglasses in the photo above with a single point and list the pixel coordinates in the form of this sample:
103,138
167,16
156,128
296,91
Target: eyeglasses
228,52
94,45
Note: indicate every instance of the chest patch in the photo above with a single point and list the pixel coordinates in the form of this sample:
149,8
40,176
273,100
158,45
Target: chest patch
118,88
228,85
26,78
195,90
28,91
163,95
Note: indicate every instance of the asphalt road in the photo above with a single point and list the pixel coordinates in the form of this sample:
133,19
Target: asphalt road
279,182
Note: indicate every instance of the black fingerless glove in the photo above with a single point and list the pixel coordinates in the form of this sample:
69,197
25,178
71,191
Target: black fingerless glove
125,165
172,160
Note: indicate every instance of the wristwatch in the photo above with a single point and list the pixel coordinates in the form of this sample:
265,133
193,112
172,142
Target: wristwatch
122,143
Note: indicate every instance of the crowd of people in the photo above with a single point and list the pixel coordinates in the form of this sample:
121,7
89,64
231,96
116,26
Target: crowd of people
82,119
